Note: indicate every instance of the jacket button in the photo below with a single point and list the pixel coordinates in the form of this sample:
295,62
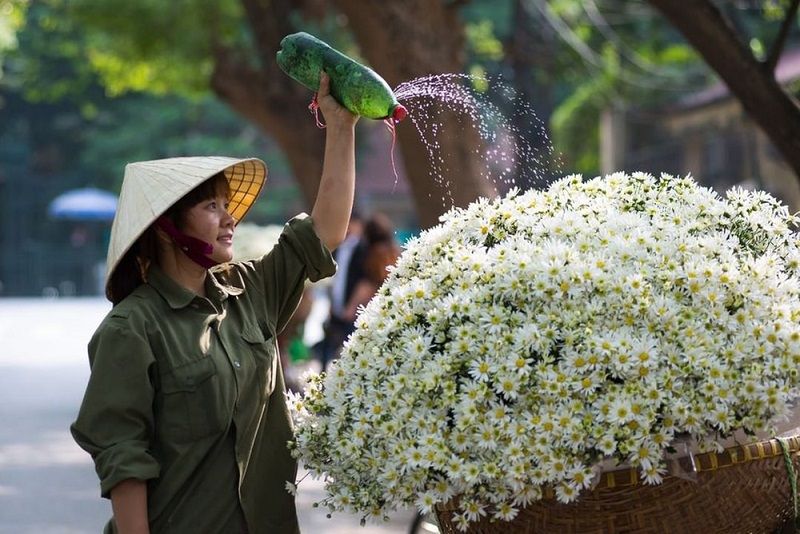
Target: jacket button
237,364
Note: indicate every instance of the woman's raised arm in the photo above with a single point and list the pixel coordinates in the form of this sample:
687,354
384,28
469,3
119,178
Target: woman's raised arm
331,212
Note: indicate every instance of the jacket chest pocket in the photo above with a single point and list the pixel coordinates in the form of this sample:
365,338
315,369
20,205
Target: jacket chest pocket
193,406
263,350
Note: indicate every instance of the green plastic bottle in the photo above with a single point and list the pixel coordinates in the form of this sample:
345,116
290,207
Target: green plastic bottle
358,88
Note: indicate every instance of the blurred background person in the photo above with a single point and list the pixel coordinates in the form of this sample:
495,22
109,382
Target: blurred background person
381,250
349,259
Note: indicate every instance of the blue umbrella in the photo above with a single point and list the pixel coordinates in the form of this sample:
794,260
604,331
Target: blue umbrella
87,204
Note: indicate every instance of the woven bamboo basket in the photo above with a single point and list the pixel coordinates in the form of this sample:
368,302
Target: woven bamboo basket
745,488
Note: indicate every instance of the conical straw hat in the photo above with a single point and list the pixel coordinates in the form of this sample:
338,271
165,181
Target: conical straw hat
149,188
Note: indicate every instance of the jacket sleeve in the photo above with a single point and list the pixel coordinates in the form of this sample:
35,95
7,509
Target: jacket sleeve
281,274
115,421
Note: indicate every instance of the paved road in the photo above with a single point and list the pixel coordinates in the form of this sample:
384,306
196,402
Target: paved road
47,484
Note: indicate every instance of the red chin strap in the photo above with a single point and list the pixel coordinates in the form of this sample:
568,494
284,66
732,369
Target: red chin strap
197,249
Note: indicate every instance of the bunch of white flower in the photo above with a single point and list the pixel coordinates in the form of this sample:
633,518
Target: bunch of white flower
525,339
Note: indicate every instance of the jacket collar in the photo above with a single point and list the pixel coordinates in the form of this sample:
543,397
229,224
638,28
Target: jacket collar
178,296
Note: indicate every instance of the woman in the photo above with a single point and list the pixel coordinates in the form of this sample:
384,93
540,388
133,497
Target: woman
380,250
184,413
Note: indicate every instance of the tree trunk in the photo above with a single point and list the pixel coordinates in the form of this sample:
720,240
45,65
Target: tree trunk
403,40
775,111
269,98
280,113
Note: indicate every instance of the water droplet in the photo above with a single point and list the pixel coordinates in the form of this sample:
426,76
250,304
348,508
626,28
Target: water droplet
506,149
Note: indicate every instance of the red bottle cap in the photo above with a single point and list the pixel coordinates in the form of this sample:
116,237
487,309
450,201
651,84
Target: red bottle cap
399,113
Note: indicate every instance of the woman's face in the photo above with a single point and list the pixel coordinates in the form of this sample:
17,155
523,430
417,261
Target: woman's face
210,221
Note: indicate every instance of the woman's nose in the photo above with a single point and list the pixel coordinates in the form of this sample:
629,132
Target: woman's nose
228,219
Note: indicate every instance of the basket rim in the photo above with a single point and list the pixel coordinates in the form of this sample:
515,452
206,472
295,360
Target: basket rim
704,462
709,461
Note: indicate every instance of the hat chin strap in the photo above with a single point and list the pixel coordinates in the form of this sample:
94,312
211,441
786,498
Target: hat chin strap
196,249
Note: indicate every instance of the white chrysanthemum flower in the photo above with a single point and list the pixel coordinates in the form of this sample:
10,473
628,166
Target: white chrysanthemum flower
461,521
581,476
506,512
481,369
566,492
426,502
525,338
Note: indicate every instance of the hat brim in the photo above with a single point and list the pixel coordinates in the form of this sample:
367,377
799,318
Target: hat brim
245,181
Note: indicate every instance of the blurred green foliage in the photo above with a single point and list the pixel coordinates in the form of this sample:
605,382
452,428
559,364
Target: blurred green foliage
155,46
12,15
640,60
54,97
91,52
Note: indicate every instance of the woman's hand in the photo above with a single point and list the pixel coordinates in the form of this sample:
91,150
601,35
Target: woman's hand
336,115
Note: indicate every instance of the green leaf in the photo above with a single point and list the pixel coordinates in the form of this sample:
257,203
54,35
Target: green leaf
483,42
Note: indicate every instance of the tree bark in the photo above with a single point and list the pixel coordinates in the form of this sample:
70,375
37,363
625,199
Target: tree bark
403,40
752,82
270,99
281,114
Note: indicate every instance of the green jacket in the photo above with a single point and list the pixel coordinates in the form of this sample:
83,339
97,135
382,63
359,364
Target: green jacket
187,393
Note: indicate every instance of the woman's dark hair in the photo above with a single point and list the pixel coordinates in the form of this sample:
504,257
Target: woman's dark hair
381,247
380,255
378,228
131,271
